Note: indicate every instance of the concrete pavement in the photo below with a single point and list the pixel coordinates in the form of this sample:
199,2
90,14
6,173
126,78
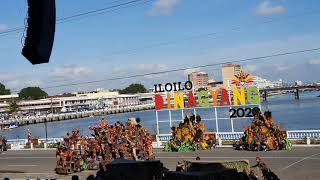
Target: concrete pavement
300,163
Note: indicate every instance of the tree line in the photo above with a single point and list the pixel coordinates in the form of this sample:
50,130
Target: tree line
28,93
34,93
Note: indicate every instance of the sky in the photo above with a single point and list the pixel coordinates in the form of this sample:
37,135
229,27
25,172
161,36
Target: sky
159,35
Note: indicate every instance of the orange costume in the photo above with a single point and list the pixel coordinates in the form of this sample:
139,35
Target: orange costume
104,123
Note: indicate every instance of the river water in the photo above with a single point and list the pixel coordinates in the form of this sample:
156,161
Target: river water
292,114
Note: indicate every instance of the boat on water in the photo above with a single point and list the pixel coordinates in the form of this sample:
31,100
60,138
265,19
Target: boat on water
9,125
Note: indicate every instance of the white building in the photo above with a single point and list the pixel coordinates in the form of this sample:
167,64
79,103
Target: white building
278,83
5,101
79,102
298,83
262,83
98,100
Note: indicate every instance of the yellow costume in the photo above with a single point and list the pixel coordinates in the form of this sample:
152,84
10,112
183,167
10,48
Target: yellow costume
178,134
269,123
204,145
104,123
201,126
186,134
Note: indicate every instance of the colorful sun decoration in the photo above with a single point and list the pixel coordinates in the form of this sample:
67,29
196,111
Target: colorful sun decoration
242,78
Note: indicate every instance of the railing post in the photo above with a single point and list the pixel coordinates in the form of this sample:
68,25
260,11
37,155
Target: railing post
170,119
158,141
231,119
182,117
220,141
216,117
31,145
157,119
308,140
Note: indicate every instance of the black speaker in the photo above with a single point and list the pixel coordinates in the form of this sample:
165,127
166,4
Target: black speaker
229,174
128,170
40,32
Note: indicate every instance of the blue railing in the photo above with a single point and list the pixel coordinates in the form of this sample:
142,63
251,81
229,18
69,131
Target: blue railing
301,134
221,136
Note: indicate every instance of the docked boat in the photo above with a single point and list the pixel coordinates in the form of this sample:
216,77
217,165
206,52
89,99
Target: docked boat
9,125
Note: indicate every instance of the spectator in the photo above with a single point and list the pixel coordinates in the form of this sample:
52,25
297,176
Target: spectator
90,177
75,177
29,135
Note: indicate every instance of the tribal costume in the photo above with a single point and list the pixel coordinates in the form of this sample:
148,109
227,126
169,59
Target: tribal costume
262,135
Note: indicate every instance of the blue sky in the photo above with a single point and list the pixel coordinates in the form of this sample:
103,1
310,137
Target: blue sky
111,44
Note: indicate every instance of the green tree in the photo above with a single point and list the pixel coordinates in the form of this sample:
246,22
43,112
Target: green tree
3,90
33,93
13,106
133,88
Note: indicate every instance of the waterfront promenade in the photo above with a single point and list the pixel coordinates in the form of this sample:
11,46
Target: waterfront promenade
300,163
77,115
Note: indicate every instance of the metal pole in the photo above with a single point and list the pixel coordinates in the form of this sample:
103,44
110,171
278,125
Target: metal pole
45,124
157,121
182,114
229,92
232,130
216,116
194,112
170,119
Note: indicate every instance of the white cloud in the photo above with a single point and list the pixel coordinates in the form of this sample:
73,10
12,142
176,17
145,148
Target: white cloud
315,62
3,27
14,85
150,68
188,71
33,83
162,7
15,82
70,71
282,67
250,67
266,9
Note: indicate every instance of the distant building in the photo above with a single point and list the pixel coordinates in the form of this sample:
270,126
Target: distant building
5,100
79,101
211,83
99,93
214,84
298,83
262,83
199,79
228,72
278,83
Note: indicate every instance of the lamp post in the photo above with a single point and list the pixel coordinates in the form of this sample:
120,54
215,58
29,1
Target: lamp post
45,123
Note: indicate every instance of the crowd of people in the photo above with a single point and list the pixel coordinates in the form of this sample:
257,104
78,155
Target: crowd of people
263,135
190,136
108,142
3,144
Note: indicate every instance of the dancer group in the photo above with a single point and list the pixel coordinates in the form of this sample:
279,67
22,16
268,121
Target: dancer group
190,136
108,142
262,134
